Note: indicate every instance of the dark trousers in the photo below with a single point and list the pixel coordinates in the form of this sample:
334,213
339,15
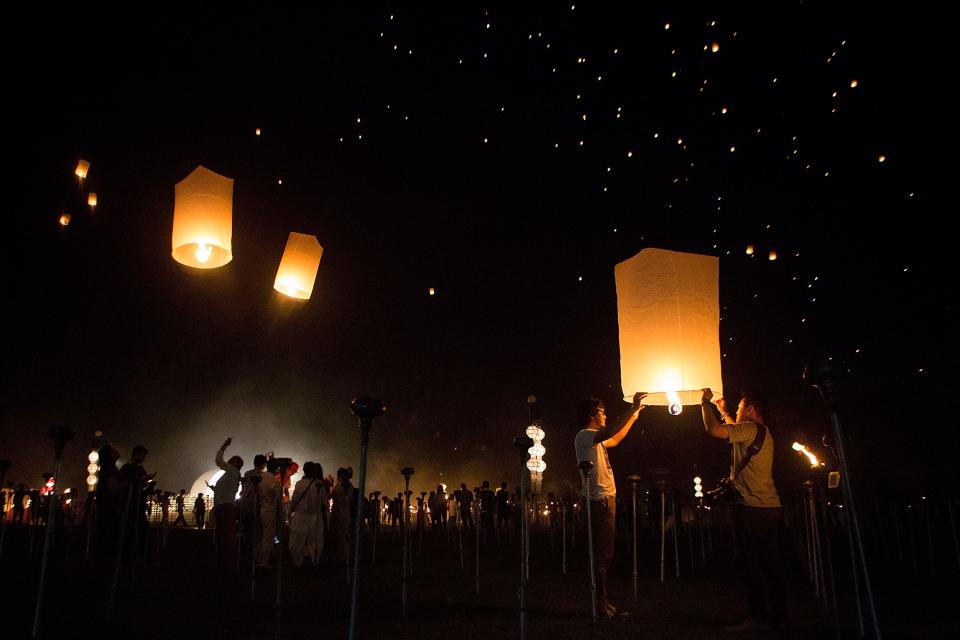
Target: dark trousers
758,539
225,534
603,525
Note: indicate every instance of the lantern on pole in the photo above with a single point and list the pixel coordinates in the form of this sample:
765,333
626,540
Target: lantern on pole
203,220
668,307
535,464
298,266
697,487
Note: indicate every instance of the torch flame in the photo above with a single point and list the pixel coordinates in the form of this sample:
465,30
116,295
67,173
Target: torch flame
676,406
803,449
203,252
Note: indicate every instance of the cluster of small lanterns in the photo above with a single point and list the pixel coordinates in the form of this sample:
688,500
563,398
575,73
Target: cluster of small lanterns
92,469
535,464
697,487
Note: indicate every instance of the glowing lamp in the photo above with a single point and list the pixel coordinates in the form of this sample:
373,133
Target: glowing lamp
92,468
64,219
93,457
203,220
668,307
298,267
91,480
772,256
82,168
92,200
749,249
536,465
537,450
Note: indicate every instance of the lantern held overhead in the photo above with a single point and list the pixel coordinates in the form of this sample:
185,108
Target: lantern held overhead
298,267
203,220
668,307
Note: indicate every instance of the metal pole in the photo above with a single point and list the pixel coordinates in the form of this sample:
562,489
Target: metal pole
563,517
823,378
833,584
407,472
636,577
366,409
953,530
254,537
521,444
585,467
663,530
60,435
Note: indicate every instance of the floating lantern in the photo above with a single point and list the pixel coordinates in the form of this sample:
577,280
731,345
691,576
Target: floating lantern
298,267
92,200
83,167
64,219
772,256
668,307
749,249
203,220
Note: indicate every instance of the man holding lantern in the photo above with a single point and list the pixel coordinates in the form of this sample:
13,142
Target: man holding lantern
591,444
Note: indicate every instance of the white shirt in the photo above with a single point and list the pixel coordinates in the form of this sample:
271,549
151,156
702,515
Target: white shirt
601,476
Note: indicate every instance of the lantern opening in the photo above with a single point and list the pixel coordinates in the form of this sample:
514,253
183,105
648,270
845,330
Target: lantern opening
676,406
203,252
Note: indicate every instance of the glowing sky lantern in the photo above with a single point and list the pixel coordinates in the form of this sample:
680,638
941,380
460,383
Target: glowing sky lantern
668,306
92,200
83,167
298,267
203,220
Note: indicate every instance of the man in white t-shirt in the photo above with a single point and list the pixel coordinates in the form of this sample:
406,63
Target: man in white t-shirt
591,444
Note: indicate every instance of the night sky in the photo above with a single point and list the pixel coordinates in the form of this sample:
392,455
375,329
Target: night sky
508,157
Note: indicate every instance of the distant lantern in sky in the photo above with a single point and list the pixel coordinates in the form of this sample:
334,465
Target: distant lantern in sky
882,158
258,130
92,200
715,47
853,84
203,220
64,219
749,249
772,256
83,167
298,267
433,291
668,307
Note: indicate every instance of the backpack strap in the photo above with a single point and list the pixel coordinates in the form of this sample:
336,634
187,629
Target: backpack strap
753,449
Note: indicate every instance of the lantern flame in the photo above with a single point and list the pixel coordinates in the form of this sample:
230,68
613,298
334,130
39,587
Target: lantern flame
676,406
203,252
803,449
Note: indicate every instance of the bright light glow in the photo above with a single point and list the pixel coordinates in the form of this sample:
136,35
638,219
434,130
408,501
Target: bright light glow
749,249
203,252
92,200
93,457
64,219
297,272
433,291
676,406
803,449
82,168
697,480
91,480
92,468
715,47
772,256
537,450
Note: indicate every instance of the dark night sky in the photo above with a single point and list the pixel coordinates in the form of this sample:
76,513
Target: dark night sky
466,174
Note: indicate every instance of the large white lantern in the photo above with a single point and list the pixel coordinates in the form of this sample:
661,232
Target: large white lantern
203,220
298,267
668,306
535,464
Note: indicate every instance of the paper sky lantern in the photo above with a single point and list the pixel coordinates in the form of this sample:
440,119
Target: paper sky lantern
92,200
668,306
203,220
749,249
298,267
83,167
64,219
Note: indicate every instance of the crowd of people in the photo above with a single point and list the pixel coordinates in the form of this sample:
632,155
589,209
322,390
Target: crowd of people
252,511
